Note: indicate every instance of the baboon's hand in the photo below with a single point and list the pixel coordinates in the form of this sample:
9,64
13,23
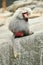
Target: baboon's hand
30,33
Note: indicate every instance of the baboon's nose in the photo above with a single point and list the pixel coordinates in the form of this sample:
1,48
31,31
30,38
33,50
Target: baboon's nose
25,16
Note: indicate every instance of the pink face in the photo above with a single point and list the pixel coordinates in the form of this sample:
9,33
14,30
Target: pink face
25,16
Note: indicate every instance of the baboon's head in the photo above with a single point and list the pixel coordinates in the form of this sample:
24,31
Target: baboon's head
23,13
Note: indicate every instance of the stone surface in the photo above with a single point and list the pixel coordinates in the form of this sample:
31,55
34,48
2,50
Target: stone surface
18,4
5,14
30,50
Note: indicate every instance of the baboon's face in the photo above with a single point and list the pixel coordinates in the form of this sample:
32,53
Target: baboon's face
25,16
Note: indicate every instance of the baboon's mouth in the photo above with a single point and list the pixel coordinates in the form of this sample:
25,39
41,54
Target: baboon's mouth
26,19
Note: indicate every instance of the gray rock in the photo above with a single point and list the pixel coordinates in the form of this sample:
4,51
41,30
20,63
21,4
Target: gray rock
18,4
30,49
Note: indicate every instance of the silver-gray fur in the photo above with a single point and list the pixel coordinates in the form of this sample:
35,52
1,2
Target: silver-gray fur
18,23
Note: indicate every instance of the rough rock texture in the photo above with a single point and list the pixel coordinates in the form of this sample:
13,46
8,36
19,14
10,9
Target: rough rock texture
18,4
31,4
30,49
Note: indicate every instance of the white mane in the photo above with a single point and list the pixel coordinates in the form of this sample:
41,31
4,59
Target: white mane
19,11
18,24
